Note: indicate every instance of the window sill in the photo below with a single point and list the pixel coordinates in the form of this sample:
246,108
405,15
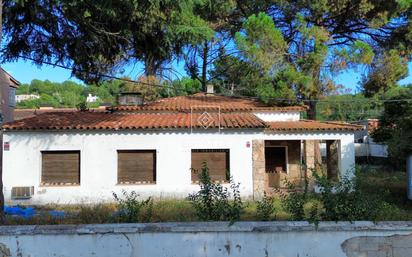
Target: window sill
215,182
135,183
59,185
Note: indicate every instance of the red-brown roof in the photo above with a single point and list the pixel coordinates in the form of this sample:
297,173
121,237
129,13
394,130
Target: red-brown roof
20,114
206,101
172,113
124,121
312,125
118,121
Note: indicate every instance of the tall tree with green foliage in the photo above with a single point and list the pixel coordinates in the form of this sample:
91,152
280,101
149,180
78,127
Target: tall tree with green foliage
225,17
302,72
233,74
395,128
199,57
262,45
326,37
385,73
98,37
348,107
353,28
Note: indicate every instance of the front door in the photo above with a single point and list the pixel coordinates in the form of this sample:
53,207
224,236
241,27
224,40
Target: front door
275,164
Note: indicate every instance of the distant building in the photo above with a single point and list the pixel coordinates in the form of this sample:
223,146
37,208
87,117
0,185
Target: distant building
365,147
8,95
25,97
92,98
364,136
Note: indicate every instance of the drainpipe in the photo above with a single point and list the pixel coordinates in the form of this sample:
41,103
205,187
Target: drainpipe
409,171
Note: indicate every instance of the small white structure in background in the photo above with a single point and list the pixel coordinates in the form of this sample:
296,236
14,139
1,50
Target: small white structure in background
364,135
92,98
365,147
25,97
371,150
364,144
154,148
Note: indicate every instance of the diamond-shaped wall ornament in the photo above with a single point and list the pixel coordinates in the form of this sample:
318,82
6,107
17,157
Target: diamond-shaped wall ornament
200,117
205,120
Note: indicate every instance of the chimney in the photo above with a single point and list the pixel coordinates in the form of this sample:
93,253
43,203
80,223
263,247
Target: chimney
130,98
210,89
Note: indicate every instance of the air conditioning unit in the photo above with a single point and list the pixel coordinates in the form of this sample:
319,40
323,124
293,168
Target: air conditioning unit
22,192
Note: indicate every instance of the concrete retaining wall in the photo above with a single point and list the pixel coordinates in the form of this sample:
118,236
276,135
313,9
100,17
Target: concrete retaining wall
249,239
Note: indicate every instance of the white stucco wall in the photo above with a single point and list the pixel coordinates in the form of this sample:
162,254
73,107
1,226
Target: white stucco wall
98,150
278,116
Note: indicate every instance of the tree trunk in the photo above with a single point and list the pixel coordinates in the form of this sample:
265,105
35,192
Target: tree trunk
2,216
204,66
312,110
150,66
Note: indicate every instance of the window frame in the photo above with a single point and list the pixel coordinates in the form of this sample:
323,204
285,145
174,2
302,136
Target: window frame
122,183
213,150
47,184
286,156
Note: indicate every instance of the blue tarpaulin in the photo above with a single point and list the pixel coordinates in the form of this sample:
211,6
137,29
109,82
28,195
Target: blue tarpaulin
29,212
19,211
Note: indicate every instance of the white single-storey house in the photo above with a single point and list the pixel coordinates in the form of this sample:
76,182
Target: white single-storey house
155,149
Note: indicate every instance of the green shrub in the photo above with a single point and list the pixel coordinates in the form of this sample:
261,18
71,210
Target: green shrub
294,201
348,199
212,202
313,211
131,209
265,207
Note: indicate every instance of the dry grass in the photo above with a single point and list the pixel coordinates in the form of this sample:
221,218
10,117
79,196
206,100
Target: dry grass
173,210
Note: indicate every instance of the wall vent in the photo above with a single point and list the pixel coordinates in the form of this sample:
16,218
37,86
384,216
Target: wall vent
22,192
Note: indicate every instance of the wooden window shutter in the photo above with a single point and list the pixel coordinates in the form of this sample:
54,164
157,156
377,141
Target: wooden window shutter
217,161
60,167
136,166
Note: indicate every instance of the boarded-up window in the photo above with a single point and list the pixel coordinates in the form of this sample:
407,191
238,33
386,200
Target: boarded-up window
60,168
275,159
217,161
136,166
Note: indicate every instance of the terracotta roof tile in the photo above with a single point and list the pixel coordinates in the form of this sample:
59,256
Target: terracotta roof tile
118,121
202,100
27,113
312,125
